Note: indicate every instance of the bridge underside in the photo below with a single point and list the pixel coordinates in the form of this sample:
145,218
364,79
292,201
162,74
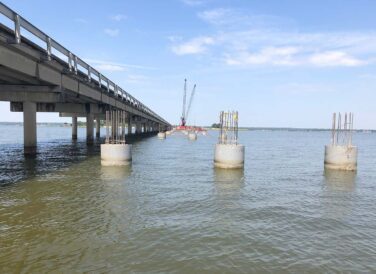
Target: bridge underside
32,83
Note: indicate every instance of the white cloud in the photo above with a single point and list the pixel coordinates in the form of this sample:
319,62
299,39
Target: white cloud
304,88
216,16
335,58
109,67
81,20
236,18
193,2
118,17
243,39
103,65
293,56
271,55
194,46
174,38
136,78
112,32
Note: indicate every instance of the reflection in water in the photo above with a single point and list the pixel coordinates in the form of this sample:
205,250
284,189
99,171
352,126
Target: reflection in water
340,185
228,180
340,180
115,173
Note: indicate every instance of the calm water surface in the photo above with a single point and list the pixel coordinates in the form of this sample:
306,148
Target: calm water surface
171,211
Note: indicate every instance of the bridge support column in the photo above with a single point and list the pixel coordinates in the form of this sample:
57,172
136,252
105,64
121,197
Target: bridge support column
98,128
89,128
30,127
129,124
147,125
74,128
138,128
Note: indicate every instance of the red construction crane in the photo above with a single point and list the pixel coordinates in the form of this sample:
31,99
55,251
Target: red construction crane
184,116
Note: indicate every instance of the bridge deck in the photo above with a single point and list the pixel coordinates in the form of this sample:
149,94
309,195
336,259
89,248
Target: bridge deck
29,72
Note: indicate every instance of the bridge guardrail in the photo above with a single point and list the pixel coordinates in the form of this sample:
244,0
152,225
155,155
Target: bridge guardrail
73,60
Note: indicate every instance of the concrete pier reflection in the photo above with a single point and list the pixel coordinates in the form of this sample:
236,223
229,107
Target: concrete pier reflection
339,180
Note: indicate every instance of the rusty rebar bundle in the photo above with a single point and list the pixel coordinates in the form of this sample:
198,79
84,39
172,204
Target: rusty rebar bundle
228,127
342,130
115,126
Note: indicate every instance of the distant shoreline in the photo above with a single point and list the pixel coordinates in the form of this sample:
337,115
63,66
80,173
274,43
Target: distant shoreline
82,124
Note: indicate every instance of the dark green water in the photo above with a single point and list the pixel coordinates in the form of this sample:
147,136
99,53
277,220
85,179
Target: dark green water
172,212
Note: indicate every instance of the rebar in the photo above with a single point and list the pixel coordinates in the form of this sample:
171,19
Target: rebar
228,127
342,132
116,120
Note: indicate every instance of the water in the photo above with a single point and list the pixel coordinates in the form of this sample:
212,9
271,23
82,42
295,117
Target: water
172,212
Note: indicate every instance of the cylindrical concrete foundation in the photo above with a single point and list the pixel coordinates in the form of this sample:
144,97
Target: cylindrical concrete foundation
161,135
341,157
116,154
229,156
192,136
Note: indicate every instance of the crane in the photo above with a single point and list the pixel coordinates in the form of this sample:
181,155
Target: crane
190,102
184,99
185,113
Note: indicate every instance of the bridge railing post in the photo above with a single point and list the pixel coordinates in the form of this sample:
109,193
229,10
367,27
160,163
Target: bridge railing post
17,29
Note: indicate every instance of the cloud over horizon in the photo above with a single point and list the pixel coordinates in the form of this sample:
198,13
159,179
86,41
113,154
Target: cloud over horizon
240,40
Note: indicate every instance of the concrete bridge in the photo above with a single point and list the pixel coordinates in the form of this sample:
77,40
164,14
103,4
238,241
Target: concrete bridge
37,74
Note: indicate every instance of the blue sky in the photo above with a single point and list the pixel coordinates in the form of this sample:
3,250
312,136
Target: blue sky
279,63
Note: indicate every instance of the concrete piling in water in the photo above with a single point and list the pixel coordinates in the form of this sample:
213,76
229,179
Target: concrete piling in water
74,128
228,153
89,128
192,136
115,151
341,154
97,128
30,127
161,135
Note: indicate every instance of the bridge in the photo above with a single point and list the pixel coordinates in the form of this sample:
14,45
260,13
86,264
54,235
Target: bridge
37,74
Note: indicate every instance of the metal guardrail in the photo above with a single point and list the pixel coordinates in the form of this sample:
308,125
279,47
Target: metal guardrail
73,60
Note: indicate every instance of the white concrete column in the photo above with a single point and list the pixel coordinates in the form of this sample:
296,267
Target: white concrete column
89,128
74,128
98,128
30,127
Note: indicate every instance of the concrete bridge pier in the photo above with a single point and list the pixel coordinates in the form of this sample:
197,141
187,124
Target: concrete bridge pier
138,128
74,128
129,123
98,128
89,128
30,127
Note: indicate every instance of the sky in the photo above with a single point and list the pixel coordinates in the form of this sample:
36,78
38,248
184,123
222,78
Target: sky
287,63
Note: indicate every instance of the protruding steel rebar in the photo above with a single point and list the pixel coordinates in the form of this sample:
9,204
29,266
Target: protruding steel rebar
228,127
342,132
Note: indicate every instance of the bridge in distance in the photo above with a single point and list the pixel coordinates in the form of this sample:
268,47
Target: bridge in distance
40,75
